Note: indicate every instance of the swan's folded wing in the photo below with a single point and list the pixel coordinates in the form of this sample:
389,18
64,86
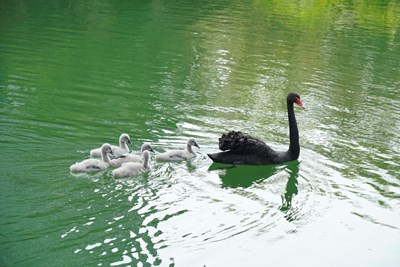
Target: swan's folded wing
237,141
93,167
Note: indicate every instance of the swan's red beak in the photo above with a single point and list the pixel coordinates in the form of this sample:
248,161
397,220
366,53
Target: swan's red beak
298,102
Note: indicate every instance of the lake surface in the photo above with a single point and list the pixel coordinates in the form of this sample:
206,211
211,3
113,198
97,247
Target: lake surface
77,74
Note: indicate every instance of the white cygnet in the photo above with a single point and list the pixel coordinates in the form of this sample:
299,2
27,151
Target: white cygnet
88,165
129,157
175,155
117,151
133,168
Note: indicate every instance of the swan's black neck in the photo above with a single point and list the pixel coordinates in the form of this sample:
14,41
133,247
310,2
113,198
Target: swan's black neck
294,147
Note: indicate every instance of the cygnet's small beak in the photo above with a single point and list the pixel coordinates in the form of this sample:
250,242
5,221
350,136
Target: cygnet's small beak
196,145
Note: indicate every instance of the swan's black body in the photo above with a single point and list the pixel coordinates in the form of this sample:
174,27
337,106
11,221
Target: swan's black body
244,149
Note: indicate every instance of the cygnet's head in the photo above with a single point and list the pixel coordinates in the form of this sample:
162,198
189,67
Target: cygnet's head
147,147
192,142
106,148
124,138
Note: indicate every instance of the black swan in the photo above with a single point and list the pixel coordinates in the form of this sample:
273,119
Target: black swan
239,148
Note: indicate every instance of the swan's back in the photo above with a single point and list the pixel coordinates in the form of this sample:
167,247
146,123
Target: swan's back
133,168
240,148
128,169
88,165
175,155
116,150
127,157
237,141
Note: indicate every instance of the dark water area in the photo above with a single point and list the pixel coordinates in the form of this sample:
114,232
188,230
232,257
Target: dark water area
74,75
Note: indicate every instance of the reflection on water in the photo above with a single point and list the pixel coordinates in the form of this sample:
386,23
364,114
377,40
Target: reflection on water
242,176
291,186
234,176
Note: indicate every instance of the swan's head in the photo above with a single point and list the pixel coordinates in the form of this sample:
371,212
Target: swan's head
125,139
147,147
192,142
295,98
106,148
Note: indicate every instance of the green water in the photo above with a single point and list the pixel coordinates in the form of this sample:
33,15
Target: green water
76,74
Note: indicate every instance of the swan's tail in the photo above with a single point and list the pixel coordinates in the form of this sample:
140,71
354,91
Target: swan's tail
213,157
226,157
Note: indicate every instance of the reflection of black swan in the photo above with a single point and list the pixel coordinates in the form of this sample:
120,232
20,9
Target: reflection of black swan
244,175
239,148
